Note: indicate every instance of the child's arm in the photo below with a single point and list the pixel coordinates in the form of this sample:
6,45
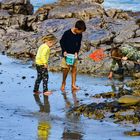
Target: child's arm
63,43
112,67
79,45
45,57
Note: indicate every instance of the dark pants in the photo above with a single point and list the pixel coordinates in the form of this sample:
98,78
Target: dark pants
42,74
137,67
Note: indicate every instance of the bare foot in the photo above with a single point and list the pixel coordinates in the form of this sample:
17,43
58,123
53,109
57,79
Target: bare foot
63,87
47,93
75,88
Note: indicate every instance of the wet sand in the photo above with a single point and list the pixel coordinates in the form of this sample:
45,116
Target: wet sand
27,117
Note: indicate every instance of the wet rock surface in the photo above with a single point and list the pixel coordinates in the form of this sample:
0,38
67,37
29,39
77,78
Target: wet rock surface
17,6
121,106
132,133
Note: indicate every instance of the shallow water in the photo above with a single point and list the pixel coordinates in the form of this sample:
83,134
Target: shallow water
39,3
24,116
133,5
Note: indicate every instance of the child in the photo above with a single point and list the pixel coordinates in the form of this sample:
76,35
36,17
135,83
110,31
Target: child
41,61
70,44
124,53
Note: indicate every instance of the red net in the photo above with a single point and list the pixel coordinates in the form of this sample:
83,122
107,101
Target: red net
97,55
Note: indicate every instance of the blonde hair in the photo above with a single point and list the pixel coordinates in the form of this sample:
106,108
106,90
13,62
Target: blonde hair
49,37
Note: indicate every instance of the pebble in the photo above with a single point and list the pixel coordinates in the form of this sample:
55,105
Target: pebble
23,77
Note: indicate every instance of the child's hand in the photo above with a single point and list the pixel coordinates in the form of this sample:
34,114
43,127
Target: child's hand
76,55
65,53
110,75
46,66
124,58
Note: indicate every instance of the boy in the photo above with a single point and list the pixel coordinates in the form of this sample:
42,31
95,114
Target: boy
41,61
70,44
124,53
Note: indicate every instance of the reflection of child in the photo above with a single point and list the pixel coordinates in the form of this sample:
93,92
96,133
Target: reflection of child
44,126
124,53
44,107
44,130
41,61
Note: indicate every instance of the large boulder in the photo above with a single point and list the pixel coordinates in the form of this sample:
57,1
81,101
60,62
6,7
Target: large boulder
117,14
97,37
81,11
17,6
2,47
124,31
81,1
138,33
135,42
129,99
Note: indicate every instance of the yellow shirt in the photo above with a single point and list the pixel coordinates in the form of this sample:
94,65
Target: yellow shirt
43,54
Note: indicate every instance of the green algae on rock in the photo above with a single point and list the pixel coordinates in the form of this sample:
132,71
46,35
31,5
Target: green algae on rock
129,99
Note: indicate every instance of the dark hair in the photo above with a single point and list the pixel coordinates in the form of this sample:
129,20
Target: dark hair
116,53
80,25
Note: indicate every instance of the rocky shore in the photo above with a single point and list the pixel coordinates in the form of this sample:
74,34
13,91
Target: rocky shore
21,29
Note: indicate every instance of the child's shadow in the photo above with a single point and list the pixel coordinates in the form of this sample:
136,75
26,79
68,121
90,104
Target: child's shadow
44,107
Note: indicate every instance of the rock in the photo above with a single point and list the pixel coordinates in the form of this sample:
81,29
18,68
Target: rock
79,1
43,12
56,26
119,26
2,32
4,14
129,99
17,6
82,11
23,48
106,95
132,133
2,47
136,75
117,14
126,33
101,36
136,92
135,42
134,83
138,33
135,15
23,77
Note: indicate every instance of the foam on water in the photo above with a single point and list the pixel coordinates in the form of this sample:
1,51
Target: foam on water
133,5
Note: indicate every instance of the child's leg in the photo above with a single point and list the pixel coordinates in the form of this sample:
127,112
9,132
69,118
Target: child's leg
39,78
45,79
65,69
65,74
73,75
